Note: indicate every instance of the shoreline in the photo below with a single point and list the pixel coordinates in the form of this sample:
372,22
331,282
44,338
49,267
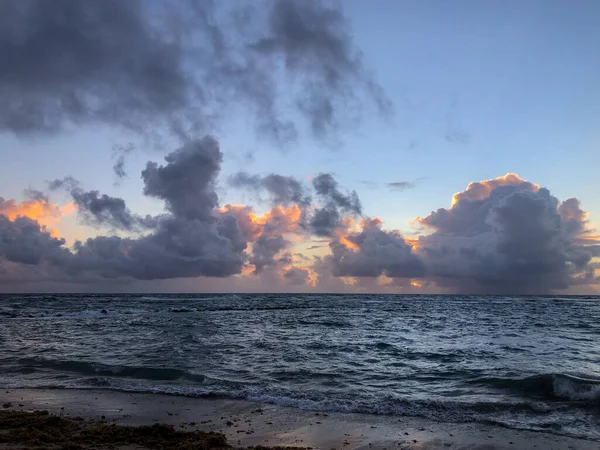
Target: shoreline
247,424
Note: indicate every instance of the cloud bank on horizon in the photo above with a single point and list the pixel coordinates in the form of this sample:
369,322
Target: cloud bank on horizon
154,69
499,235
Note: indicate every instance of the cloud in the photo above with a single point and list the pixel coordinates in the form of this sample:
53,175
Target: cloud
327,219
100,209
264,250
314,40
247,221
179,68
271,241
38,209
297,276
120,153
190,240
479,190
401,185
86,61
503,235
507,235
326,186
282,190
178,248
25,241
373,252
187,182
321,215
34,194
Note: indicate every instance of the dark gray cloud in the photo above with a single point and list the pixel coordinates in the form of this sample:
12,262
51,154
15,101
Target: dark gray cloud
187,182
191,240
327,187
73,62
326,219
282,190
401,185
507,238
264,250
504,235
102,210
177,248
24,241
120,153
180,67
314,40
322,215
376,252
296,276
36,195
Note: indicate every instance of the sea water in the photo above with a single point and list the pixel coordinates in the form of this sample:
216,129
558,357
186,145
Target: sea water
519,362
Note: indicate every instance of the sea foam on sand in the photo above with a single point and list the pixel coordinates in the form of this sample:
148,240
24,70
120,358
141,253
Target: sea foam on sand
248,424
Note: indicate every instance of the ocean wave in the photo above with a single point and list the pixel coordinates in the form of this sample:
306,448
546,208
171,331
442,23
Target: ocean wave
257,308
439,410
182,310
82,314
96,369
551,386
519,414
171,298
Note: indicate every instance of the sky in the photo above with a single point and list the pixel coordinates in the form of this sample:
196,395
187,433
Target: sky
299,146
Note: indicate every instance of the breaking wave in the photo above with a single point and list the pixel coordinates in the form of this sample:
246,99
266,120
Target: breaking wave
552,386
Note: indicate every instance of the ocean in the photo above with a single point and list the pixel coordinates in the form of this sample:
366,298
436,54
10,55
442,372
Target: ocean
519,362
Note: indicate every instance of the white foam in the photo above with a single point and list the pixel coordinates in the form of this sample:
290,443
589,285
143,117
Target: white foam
574,388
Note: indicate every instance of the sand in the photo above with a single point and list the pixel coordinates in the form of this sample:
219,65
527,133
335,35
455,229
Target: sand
246,424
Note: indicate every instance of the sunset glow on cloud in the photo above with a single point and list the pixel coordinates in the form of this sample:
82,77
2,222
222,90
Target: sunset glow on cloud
44,213
499,235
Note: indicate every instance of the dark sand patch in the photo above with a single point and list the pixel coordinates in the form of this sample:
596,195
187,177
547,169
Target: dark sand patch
39,429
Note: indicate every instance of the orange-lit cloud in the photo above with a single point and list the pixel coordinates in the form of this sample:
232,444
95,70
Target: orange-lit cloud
45,213
246,220
284,220
264,234
348,244
478,190
347,226
349,229
277,220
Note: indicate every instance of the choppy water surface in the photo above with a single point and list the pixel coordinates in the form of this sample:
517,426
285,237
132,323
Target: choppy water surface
523,362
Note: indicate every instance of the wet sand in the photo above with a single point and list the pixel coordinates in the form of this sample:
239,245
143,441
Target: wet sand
246,424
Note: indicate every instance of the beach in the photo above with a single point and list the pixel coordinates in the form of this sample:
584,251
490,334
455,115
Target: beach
246,424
